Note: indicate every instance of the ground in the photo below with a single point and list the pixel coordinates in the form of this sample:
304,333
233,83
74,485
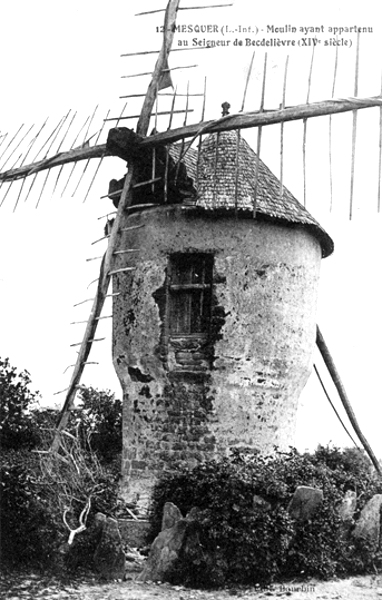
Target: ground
32,586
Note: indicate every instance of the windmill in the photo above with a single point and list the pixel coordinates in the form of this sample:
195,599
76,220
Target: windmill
132,145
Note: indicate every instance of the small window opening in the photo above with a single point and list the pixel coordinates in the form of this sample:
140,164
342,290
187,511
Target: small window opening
190,293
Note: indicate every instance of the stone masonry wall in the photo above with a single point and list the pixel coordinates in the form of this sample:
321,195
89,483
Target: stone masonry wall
189,399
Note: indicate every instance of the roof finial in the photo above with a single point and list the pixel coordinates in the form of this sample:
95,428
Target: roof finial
225,106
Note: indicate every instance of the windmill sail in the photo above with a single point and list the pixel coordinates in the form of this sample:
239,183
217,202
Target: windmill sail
243,120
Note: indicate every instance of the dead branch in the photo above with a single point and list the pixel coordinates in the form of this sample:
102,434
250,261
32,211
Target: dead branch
82,521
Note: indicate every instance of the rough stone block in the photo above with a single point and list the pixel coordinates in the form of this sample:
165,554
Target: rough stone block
181,540
305,502
164,553
193,513
109,557
134,532
209,439
369,523
260,503
138,464
171,515
348,505
179,446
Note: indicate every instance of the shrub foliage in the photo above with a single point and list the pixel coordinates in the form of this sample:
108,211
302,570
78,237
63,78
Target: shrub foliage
244,531
99,419
244,516
17,427
36,489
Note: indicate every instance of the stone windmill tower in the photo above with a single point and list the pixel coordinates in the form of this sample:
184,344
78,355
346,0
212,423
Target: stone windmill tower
214,266
215,320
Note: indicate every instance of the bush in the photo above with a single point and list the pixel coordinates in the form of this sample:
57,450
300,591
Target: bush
36,489
74,479
17,429
24,424
29,532
257,541
35,492
99,422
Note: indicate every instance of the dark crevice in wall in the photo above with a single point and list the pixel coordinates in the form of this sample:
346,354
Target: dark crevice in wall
137,375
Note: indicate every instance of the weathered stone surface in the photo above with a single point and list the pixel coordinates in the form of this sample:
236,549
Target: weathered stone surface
193,514
99,521
109,558
348,506
171,515
134,561
134,532
164,553
369,523
264,299
305,502
69,552
259,502
178,546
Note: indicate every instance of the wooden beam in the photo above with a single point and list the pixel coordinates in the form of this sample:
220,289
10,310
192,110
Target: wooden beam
267,117
160,79
329,362
230,122
125,201
63,158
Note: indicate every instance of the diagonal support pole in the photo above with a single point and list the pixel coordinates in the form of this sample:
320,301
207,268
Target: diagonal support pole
329,362
118,226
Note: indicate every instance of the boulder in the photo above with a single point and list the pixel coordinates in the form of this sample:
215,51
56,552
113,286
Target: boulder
348,505
171,515
193,514
134,562
164,553
180,545
305,502
369,523
134,532
99,522
109,557
260,503
181,541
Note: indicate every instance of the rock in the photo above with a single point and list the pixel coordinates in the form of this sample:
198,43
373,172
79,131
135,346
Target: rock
134,561
193,514
134,532
99,521
109,557
164,553
133,555
369,523
348,505
305,502
180,545
259,502
171,515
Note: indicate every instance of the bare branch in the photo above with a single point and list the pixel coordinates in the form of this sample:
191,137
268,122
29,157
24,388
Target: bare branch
82,520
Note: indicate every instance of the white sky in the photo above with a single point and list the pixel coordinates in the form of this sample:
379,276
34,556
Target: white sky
61,56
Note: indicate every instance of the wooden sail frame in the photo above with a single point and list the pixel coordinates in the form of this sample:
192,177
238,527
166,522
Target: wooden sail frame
245,120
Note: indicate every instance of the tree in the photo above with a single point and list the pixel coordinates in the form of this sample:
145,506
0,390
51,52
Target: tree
17,427
99,419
